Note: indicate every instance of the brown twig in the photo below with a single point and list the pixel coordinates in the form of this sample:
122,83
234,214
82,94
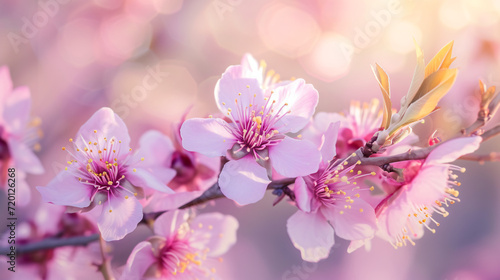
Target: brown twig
482,158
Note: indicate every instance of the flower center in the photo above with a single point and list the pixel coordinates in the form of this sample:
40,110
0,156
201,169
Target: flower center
99,163
256,127
179,257
337,185
183,164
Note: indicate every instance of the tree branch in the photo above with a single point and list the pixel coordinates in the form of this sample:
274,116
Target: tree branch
482,158
51,243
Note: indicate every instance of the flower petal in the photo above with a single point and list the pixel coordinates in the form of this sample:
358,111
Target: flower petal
139,261
328,149
311,234
106,124
168,223
300,99
292,158
229,87
24,158
451,150
216,233
166,202
206,136
66,190
142,178
394,216
120,215
156,148
429,185
357,222
303,195
250,68
17,108
243,180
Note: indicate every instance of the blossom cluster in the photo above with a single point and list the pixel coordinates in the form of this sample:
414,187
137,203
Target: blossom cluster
359,175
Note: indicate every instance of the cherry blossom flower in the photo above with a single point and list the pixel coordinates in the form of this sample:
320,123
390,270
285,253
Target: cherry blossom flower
254,137
357,126
329,201
189,173
104,177
427,187
182,248
17,136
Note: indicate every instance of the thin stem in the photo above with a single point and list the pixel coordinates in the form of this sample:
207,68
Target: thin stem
105,267
482,158
491,133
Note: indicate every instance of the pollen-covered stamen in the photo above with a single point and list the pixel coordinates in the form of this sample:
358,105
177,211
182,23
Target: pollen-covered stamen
338,185
177,256
256,125
99,162
365,119
422,213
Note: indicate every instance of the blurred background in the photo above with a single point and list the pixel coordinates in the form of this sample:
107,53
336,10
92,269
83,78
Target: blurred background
77,56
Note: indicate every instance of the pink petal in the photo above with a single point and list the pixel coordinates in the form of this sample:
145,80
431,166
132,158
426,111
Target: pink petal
5,83
392,219
156,148
139,261
167,202
250,68
292,158
229,87
303,195
322,120
328,149
429,185
107,124
311,234
76,263
144,179
451,150
24,158
17,110
66,190
356,244
206,136
353,224
302,100
123,218
217,233
243,180
168,223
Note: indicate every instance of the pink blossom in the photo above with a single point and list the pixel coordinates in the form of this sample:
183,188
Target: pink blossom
330,201
427,187
104,177
182,248
357,126
17,135
254,137
189,173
